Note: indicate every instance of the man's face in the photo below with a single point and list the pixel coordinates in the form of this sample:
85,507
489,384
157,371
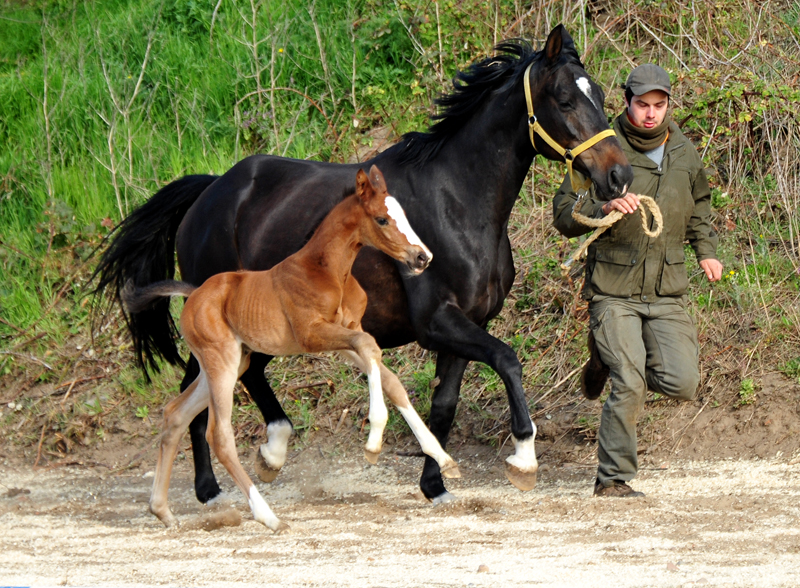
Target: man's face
648,110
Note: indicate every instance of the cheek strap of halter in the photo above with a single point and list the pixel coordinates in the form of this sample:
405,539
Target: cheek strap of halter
569,155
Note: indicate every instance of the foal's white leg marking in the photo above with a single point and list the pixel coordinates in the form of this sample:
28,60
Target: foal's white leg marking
274,450
524,456
585,87
261,510
427,442
399,216
378,414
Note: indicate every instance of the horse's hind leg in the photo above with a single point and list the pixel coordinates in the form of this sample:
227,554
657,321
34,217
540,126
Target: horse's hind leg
271,456
205,483
177,415
221,366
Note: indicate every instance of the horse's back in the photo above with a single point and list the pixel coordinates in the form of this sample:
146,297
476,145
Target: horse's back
258,213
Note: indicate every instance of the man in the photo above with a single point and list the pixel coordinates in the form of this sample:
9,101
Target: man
640,333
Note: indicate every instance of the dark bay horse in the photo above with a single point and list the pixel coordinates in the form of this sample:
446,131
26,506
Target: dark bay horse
457,183
307,303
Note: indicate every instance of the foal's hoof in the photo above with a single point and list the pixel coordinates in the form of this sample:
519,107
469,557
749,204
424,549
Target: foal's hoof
371,456
522,480
451,471
264,471
165,516
281,528
443,498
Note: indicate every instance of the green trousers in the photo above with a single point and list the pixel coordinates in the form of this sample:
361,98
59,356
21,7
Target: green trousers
646,345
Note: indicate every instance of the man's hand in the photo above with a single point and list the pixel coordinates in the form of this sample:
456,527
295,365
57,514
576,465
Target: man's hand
626,205
713,269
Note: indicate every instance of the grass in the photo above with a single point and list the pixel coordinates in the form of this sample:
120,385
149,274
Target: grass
102,103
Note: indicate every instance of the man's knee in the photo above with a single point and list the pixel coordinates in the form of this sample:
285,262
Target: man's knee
680,385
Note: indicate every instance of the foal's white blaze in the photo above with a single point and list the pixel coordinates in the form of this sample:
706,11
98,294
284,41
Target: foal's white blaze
585,87
378,414
398,214
525,455
274,450
261,510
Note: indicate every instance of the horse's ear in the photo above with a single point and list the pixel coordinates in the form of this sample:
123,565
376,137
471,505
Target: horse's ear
558,41
364,189
376,177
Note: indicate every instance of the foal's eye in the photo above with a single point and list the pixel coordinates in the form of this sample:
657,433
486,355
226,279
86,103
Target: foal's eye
381,221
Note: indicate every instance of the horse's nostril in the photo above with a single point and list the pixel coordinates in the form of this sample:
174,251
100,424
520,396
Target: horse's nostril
422,260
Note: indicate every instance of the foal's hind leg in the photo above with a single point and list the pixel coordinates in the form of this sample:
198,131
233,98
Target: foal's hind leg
222,369
177,415
399,397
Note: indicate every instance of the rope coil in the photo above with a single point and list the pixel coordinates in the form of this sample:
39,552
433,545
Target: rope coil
602,224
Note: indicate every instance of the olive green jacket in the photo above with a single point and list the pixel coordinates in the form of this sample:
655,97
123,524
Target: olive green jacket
623,261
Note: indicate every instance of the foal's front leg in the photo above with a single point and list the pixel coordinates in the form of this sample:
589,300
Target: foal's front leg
333,337
399,397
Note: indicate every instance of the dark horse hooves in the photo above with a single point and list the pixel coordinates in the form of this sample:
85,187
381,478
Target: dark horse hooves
206,489
264,471
522,480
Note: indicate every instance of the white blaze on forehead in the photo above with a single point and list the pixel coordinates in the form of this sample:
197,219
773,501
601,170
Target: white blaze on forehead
399,217
585,87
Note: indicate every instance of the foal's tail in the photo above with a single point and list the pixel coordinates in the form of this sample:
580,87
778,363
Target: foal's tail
136,300
142,250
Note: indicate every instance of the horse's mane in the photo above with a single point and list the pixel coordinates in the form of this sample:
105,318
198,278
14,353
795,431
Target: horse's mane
470,89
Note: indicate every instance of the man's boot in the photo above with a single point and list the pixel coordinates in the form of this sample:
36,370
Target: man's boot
594,373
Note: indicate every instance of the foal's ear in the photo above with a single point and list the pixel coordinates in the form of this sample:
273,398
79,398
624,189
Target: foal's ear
364,189
376,177
558,41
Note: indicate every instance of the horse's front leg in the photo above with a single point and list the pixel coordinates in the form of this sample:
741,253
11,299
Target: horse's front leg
449,330
271,455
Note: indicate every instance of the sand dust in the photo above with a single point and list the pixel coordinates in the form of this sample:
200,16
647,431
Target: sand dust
702,523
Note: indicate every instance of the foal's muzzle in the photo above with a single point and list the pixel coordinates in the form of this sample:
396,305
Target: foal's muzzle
417,263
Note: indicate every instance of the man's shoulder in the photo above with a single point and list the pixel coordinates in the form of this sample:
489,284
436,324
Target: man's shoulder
678,140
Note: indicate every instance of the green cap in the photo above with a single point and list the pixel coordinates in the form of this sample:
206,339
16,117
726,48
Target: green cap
646,78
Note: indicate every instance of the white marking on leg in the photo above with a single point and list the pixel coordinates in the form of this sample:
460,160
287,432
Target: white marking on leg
274,450
586,87
261,510
427,441
399,216
378,414
524,456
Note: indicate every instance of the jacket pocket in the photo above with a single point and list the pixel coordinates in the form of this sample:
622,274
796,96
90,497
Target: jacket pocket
613,271
674,279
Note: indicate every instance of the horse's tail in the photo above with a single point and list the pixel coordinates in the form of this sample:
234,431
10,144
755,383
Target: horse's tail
141,249
136,300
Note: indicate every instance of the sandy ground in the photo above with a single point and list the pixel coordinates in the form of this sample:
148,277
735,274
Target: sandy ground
723,523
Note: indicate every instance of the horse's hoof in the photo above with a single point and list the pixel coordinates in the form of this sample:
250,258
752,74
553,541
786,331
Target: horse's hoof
444,498
281,528
522,480
371,456
451,471
265,472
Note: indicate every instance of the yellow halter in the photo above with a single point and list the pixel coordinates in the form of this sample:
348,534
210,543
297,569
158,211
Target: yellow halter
569,155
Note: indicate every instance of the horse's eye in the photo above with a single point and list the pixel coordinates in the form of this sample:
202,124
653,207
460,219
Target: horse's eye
565,105
381,221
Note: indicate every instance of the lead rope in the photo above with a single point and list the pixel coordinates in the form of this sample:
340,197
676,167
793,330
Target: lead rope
602,224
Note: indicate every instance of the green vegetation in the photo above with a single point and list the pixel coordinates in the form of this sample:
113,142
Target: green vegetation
101,103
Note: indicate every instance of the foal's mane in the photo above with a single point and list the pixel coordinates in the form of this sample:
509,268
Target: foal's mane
470,88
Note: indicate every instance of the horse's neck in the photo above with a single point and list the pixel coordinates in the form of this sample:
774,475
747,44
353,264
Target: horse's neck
336,242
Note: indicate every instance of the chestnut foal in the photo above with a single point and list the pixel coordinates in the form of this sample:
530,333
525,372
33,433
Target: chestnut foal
307,303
